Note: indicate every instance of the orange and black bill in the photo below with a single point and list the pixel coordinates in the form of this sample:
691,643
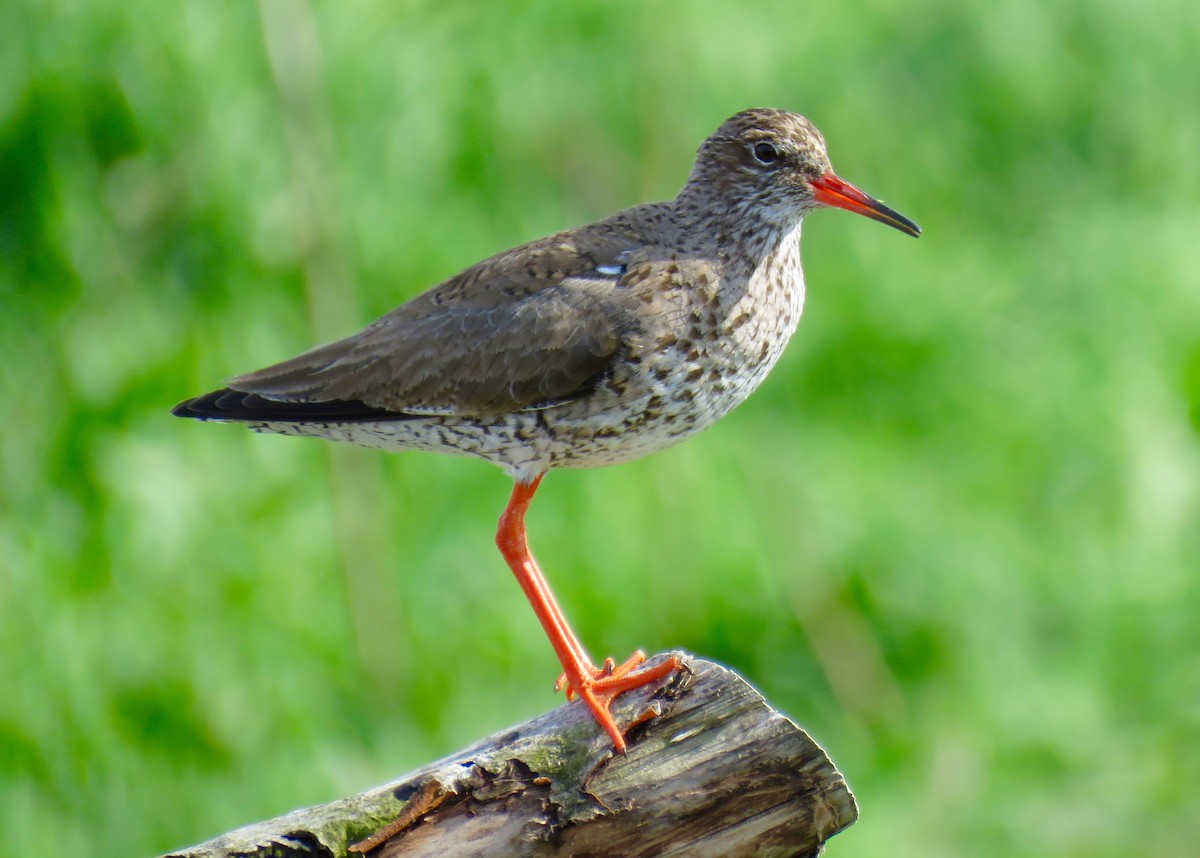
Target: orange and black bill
833,191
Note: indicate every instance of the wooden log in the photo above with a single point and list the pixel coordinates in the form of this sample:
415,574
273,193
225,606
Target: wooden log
712,770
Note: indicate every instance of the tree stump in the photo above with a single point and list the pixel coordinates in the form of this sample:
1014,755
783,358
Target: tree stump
712,770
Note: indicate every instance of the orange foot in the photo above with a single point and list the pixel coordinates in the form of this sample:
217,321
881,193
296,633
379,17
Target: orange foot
599,686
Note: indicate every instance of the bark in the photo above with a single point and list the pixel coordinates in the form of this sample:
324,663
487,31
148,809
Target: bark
712,770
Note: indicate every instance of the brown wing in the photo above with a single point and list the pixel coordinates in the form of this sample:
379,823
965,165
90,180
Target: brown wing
529,328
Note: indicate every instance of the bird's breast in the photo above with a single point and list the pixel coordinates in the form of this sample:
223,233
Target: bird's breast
753,322
708,337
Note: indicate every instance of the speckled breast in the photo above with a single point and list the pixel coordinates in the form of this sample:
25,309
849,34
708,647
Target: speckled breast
713,349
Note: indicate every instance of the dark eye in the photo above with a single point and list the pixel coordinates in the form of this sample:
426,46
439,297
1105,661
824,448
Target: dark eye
765,152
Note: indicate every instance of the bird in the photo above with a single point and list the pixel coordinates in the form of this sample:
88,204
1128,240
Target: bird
591,347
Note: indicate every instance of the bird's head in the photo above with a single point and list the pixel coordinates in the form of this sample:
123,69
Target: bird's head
772,164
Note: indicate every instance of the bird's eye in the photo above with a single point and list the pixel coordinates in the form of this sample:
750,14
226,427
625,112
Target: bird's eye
765,152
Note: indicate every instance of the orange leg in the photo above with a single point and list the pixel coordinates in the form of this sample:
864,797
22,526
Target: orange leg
596,686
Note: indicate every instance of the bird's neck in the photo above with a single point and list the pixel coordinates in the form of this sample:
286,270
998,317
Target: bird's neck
745,237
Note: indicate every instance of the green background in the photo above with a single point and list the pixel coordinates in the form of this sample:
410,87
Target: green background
955,534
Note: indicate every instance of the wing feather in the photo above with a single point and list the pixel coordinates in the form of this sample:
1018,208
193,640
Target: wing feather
529,328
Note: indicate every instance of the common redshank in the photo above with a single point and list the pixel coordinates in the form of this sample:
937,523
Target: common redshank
590,347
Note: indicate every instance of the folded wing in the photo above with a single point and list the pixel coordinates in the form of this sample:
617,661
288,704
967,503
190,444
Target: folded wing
531,328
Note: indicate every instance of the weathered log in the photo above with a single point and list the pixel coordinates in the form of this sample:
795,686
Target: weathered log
712,770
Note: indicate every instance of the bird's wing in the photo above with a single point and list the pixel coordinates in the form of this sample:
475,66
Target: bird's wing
526,329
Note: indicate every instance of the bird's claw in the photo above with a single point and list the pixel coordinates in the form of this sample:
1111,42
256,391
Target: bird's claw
606,670
599,686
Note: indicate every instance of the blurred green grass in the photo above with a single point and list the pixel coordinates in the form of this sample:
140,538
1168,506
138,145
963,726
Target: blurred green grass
955,534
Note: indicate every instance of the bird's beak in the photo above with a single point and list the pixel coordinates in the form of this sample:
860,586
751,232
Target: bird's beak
832,191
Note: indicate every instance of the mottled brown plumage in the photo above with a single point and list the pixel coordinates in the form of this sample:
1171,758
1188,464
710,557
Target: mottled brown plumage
589,347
